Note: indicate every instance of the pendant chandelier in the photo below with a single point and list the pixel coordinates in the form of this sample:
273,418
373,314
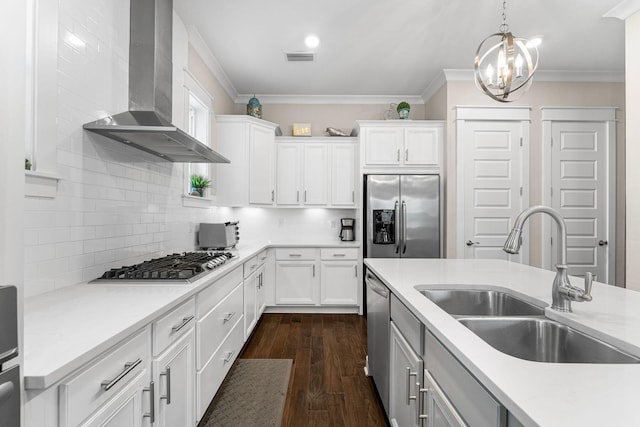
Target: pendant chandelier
505,64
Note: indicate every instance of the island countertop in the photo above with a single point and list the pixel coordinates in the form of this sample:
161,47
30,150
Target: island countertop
537,394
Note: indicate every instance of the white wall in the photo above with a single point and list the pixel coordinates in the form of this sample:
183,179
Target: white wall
115,205
632,65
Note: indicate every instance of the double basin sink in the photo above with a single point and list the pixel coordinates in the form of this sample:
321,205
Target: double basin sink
518,328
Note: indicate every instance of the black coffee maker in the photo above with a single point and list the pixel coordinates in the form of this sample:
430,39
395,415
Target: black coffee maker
347,233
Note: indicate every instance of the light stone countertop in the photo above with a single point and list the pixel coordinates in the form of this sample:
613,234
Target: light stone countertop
66,328
538,394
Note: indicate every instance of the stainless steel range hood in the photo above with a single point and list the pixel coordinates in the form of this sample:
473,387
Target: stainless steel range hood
147,124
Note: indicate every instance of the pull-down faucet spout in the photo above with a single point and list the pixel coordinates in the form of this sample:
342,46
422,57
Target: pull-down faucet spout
562,292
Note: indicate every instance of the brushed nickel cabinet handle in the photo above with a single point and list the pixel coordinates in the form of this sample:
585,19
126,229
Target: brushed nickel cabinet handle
128,367
398,155
228,317
182,324
298,196
409,375
227,359
340,255
272,195
167,375
152,403
406,155
295,255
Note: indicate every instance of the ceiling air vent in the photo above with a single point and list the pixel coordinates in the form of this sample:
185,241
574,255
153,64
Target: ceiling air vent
299,56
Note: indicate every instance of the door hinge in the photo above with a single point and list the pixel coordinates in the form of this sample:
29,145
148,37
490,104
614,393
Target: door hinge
521,191
520,141
551,191
551,240
552,142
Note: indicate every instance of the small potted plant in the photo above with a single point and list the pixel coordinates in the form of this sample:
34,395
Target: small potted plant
27,164
198,184
403,110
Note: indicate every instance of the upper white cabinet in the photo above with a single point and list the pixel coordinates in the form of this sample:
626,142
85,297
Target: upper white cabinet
249,144
316,171
401,143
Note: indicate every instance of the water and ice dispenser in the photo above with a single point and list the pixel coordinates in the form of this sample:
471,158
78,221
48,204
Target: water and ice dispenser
384,226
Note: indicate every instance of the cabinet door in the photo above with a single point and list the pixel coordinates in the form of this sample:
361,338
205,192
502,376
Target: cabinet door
382,146
250,293
422,146
288,173
405,373
174,375
296,283
261,169
343,175
439,411
127,408
261,298
316,174
338,283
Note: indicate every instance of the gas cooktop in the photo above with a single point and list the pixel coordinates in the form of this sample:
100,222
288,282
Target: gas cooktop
182,267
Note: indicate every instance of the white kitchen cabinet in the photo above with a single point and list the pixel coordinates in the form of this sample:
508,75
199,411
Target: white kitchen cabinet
111,389
249,144
297,278
126,409
437,409
339,276
174,374
343,174
261,297
411,144
405,377
250,303
302,174
288,173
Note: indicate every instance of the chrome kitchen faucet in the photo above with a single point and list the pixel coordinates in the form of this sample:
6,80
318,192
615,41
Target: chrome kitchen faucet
562,291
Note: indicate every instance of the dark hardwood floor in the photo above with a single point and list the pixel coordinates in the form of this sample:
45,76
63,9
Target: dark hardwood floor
328,386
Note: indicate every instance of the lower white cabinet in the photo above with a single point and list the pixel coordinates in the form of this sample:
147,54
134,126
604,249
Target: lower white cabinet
129,408
174,376
339,282
261,297
405,379
250,303
296,282
438,411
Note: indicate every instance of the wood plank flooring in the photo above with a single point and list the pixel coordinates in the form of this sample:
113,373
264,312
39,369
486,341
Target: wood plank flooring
328,386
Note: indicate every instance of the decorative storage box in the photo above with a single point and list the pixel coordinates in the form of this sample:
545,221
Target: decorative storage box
302,129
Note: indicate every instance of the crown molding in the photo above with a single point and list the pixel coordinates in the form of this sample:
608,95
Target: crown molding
433,87
200,46
623,10
331,99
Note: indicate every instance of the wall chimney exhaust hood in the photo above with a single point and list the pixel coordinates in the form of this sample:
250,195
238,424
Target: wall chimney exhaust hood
147,125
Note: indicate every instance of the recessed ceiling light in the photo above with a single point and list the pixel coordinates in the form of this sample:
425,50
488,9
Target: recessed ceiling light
312,41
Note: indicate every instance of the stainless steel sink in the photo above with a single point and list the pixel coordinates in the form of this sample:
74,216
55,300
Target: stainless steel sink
544,340
482,302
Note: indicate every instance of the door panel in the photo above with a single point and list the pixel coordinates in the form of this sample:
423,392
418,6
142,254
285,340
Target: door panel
288,174
579,191
383,193
495,169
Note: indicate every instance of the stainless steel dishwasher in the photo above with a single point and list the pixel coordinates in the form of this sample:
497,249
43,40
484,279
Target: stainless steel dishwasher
378,335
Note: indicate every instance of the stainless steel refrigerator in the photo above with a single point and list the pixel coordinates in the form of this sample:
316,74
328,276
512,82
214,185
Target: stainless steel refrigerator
402,216
9,370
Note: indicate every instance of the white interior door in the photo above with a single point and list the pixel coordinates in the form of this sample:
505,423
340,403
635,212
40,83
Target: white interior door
580,191
495,174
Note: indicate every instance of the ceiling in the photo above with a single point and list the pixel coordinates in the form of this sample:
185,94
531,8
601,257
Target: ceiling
391,48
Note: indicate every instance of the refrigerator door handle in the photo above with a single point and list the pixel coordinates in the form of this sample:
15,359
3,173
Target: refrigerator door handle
404,227
395,209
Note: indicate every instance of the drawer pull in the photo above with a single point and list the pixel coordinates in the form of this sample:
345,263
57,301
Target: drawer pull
167,375
340,255
228,317
128,367
184,322
227,359
253,266
420,404
152,403
295,255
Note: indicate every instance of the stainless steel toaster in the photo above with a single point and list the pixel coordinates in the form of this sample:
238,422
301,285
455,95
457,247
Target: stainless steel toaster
220,235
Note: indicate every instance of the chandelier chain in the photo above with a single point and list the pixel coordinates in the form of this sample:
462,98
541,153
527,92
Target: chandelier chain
504,28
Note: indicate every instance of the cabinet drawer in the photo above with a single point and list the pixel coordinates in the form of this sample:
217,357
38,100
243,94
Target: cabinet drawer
475,404
210,378
408,324
83,394
262,257
215,325
250,266
338,253
295,253
173,325
215,293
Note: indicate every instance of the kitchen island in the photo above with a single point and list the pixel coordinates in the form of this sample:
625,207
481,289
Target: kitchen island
536,394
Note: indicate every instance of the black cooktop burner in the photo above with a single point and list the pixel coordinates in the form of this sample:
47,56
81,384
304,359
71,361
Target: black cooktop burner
182,267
